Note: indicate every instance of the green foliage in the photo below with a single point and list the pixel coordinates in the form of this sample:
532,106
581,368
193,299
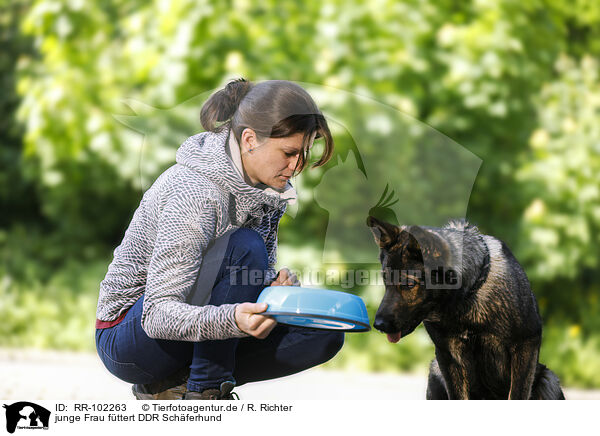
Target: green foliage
561,175
18,200
95,97
58,313
474,71
572,355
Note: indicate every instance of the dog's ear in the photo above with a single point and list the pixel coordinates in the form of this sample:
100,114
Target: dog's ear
384,233
432,246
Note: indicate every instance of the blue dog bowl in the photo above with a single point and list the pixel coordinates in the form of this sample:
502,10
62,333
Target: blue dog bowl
316,308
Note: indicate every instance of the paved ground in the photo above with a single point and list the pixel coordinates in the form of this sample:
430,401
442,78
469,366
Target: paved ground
35,375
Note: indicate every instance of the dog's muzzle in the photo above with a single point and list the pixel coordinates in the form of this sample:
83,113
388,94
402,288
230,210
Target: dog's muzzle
393,335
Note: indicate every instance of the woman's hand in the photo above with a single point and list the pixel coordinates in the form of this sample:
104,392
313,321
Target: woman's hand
249,320
248,315
286,278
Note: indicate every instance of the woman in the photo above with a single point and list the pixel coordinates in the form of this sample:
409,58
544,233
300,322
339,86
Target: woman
176,313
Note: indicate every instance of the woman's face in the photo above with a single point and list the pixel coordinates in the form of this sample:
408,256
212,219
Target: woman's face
271,161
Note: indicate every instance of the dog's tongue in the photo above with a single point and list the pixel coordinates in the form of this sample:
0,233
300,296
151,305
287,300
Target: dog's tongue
394,337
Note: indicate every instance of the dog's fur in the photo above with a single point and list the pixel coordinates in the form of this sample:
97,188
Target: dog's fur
486,329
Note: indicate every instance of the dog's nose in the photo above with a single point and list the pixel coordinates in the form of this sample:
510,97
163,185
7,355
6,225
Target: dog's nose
381,325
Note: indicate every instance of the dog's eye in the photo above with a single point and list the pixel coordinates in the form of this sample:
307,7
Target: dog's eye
411,280
412,284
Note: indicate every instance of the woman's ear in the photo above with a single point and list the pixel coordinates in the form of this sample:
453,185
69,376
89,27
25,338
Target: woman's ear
249,140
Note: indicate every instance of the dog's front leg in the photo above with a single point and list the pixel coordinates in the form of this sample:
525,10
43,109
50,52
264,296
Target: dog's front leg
455,373
523,361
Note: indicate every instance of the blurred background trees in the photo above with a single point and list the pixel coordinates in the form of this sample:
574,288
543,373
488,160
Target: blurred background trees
96,97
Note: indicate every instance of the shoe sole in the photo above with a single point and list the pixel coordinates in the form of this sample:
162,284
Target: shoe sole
141,396
175,393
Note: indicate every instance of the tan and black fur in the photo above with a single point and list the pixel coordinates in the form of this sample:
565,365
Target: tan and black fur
486,330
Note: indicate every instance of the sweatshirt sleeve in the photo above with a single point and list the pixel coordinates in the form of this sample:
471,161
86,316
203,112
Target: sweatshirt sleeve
186,226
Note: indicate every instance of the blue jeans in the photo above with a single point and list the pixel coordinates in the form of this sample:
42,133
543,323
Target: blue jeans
131,355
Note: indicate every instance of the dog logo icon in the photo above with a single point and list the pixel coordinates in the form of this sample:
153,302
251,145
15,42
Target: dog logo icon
26,415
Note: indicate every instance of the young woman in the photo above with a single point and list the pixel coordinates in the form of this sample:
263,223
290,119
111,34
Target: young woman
176,313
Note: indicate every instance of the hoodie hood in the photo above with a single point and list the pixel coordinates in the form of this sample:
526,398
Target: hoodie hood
207,154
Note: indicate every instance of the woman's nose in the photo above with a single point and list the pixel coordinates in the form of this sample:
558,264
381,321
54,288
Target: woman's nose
293,162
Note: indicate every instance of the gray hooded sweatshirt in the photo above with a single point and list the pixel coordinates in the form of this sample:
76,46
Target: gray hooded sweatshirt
192,203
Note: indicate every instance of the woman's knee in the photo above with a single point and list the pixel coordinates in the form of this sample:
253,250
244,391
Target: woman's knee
248,249
241,276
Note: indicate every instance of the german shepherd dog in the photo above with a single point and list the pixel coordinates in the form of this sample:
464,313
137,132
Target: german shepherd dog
483,318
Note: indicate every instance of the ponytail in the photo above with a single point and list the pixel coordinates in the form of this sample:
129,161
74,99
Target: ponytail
221,106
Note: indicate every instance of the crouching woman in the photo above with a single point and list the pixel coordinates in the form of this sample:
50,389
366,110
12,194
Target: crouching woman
176,313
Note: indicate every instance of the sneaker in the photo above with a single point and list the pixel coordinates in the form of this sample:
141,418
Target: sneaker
224,393
172,388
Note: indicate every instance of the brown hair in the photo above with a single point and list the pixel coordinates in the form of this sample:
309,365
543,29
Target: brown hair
273,109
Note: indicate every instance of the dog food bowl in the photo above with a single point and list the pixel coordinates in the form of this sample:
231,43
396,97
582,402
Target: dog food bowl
322,309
